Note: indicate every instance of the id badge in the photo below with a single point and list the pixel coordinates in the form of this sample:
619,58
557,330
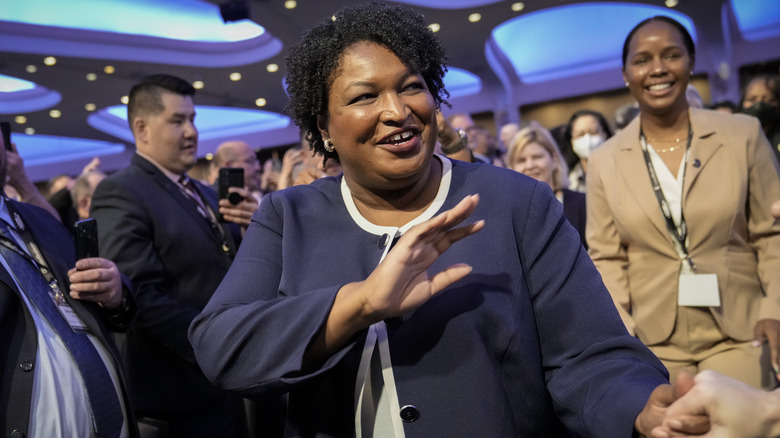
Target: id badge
698,290
70,316
73,320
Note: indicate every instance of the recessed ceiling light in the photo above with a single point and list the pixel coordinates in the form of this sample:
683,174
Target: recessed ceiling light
91,77
49,60
518,6
290,4
476,16
29,131
109,69
124,100
31,68
209,156
670,3
332,18
272,68
90,107
55,114
235,76
198,85
260,102
20,120
434,27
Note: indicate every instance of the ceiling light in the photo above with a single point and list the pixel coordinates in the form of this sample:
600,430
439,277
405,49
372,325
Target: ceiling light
31,68
272,68
209,156
476,16
29,131
20,120
670,3
260,102
55,114
91,77
109,69
49,60
332,18
234,10
290,4
124,100
517,7
198,85
90,107
434,27
235,76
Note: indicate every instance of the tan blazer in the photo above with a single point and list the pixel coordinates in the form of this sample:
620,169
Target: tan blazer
731,180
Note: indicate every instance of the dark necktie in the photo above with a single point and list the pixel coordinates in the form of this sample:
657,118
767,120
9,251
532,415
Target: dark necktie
191,192
106,409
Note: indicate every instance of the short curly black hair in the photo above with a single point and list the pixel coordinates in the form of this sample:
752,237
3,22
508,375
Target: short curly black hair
310,64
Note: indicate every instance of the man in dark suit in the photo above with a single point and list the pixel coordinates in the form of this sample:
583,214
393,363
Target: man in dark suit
61,373
162,230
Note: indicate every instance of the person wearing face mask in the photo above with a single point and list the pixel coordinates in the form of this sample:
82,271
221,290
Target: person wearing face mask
761,99
585,131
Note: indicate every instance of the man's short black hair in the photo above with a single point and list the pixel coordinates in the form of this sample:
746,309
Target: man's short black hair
145,97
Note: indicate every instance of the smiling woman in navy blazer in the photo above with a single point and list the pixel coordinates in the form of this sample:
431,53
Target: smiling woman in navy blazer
368,301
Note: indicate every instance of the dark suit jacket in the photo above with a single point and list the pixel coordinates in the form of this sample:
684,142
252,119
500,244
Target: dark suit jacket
574,208
18,337
156,236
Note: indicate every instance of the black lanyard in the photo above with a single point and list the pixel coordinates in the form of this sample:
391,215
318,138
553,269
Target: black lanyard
35,253
680,234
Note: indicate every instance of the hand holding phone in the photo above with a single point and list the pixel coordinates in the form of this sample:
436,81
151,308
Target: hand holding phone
86,239
230,177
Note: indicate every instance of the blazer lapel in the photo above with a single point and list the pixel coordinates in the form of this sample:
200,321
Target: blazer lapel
631,166
704,145
180,198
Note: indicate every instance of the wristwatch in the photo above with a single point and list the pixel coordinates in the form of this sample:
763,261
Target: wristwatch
462,143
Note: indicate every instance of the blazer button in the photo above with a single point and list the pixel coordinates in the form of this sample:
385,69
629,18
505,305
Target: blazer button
383,241
409,414
26,366
16,433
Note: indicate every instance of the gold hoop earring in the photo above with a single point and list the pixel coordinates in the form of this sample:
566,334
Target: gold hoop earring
328,145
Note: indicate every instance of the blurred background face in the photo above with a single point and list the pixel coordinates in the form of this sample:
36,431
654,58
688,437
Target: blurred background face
758,91
535,161
586,135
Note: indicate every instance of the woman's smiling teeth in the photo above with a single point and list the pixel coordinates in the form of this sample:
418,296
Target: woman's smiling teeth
398,138
659,87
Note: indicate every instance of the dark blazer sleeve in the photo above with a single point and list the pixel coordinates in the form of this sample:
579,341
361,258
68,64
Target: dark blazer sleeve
574,208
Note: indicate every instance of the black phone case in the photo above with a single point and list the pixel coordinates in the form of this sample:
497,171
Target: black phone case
86,239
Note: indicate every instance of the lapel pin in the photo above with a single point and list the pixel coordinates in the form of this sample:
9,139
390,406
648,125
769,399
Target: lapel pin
696,163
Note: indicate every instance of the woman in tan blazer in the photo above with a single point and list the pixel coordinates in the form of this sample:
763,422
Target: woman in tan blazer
701,282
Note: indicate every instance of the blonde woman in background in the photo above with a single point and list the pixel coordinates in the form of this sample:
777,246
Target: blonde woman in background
533,152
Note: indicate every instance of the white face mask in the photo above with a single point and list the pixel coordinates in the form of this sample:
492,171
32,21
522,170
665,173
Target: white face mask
583,145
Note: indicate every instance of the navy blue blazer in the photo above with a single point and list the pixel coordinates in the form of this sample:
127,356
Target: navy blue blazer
156,236
18,336
529,344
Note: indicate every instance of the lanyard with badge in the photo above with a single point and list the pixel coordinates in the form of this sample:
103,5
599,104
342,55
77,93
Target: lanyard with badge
36,258
695,289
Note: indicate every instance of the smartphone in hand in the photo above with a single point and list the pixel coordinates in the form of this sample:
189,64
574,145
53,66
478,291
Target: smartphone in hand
230,177
86,239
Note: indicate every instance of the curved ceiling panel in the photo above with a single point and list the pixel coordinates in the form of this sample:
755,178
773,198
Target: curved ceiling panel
20,96
571,40
461,83
757,19
212,122
449,4
181,32
38,150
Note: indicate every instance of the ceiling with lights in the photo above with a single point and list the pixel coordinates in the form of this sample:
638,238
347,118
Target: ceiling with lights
66,66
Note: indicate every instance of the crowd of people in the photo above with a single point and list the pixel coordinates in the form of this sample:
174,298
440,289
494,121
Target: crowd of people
587,281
